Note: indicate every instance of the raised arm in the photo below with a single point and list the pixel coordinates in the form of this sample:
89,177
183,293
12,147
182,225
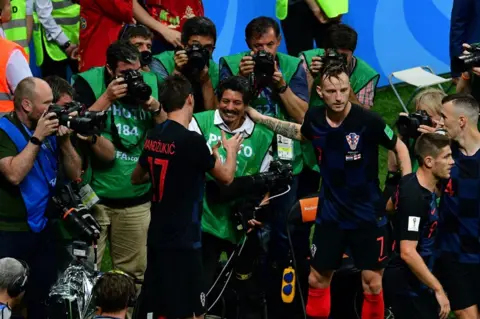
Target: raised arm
287,129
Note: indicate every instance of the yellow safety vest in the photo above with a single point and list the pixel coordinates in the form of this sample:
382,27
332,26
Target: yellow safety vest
67,15
16,29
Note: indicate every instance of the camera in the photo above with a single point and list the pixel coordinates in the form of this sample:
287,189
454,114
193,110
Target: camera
198,58
275,180
137,89
85,123
408,125
332,56
472,59
264,68
76,216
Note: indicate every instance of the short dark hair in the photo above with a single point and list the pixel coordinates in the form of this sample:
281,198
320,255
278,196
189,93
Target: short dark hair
113,291
202,26
130,31
259,26
332,70
236,84
173,92
342,36
467,103
24,90
59,87
430,144
121,51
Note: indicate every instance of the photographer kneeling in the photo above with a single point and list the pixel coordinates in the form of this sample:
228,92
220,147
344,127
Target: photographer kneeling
410,284
129,98
194,61
29,162
427,118
219,230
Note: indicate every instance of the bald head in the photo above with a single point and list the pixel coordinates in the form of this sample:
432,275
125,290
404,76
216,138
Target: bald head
10,270
32,96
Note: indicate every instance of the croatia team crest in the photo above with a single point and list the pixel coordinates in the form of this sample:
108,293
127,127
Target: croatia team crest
352,140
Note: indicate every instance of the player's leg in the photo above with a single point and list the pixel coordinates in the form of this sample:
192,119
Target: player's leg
328,246
461,282
370,250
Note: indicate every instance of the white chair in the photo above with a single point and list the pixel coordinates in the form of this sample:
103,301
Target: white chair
420,77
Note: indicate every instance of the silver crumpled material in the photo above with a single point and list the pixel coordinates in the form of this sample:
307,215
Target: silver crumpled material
71,296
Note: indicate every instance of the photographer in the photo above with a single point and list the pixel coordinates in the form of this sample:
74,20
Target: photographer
219,230
29,162
174,162
341,43
458,262
114,292
141,37
194,61
426,119
351,211
13,279
280,90
409,281
129,97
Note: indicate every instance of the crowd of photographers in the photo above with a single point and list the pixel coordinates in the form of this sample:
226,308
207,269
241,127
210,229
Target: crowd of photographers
204,180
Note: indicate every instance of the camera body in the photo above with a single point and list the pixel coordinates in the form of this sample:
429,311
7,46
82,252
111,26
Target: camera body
472,59
137,89
77,217
198,58
264,68
85,123
408,125
332,56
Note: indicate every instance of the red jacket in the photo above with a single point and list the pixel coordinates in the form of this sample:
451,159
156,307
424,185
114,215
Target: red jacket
100,24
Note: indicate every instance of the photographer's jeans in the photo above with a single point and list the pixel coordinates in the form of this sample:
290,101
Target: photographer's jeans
39,252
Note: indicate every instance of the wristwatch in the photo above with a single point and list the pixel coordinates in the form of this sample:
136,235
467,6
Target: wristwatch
157,111
66,45
282,89
93,140
35,141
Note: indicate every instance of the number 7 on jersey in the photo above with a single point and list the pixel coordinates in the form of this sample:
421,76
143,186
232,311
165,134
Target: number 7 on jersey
158,170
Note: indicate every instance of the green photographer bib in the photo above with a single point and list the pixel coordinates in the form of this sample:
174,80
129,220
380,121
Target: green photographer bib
272,106
132,123
217,219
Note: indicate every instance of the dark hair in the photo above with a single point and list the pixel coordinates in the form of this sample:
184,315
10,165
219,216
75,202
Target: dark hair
466,103
130,31
121,51
113,291
430,144
59,87
173,92
236,84
342,36
24,90
332,70
259,26
202,26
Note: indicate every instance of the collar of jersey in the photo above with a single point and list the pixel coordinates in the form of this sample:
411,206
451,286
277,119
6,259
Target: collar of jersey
246,128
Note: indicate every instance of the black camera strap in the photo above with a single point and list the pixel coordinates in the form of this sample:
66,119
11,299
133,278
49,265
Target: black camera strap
117,140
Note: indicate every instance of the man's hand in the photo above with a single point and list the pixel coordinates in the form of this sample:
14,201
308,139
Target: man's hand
85,138
173,37
233,144
46,126
72,51
247,65
116,89
254,114
277,77
151,105
316,65
204,76
444,304
63,132
181,59
467,47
